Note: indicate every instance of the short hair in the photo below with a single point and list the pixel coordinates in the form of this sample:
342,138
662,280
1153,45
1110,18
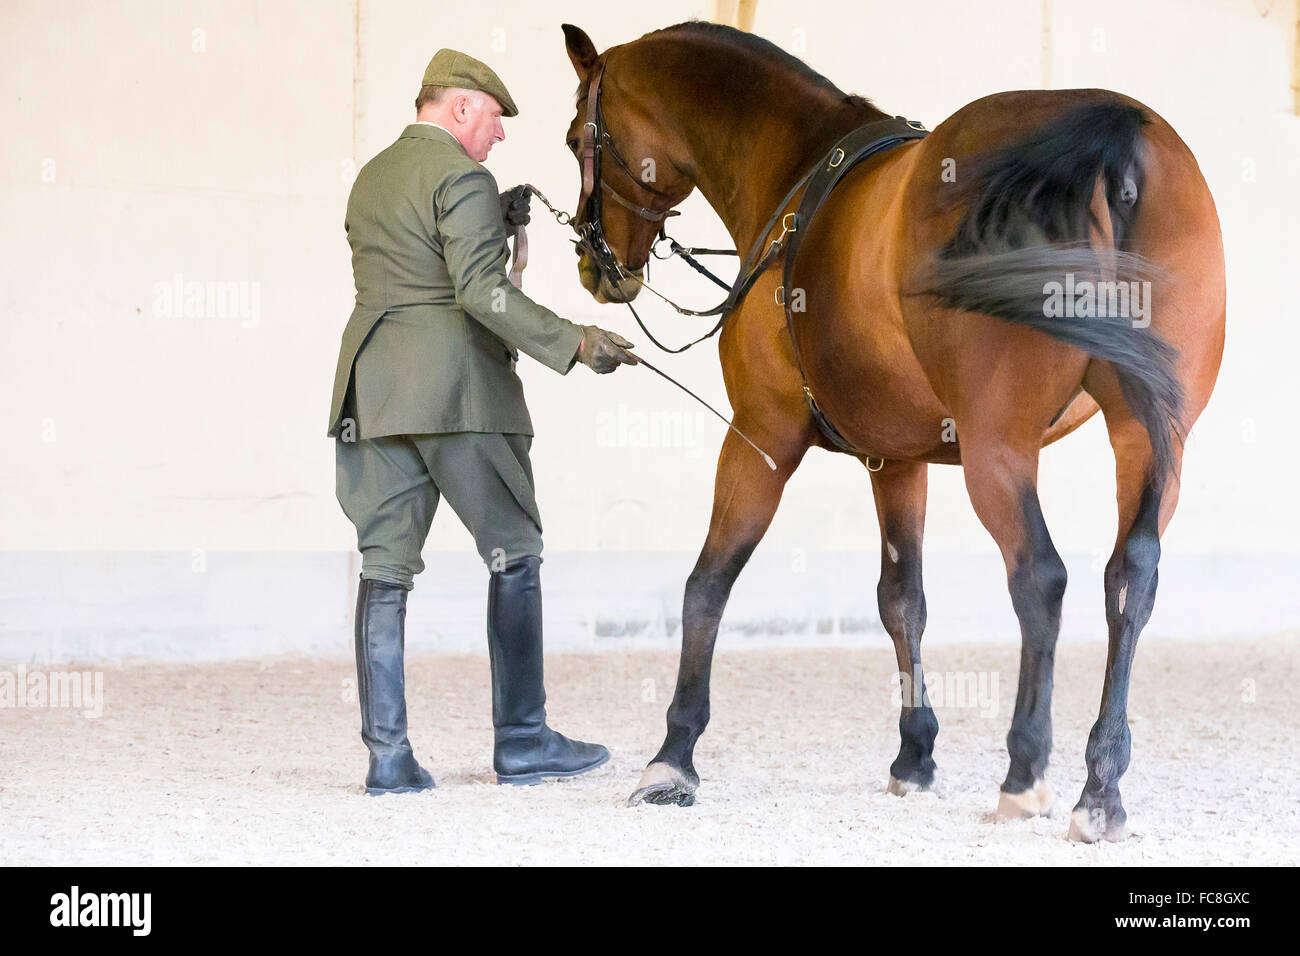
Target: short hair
429,94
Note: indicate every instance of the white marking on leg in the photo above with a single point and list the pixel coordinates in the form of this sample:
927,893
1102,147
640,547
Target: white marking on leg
659,774
1017,806
893,552
1123,597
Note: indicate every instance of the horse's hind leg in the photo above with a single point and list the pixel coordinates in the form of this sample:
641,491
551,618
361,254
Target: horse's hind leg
1146,503
899,489
1002,481
745,498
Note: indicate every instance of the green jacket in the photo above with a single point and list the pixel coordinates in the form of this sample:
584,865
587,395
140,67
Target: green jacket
437,327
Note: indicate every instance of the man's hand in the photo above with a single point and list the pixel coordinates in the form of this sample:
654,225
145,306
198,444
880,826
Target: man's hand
514,206
603,351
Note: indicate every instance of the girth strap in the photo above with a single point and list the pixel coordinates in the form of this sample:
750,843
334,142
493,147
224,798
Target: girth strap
862,143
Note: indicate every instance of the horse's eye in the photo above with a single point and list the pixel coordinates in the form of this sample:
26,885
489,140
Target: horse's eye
572,144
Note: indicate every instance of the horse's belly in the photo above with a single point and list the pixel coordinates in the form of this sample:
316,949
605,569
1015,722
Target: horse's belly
873,390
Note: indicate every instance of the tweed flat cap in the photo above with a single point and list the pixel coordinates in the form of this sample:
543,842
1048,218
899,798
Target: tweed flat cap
456,69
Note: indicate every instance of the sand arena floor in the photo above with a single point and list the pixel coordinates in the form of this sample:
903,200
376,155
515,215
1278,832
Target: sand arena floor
261,762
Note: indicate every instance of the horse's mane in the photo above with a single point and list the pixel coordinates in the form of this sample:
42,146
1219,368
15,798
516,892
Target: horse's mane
764,49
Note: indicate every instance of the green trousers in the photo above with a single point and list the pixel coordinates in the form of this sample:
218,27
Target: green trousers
390,487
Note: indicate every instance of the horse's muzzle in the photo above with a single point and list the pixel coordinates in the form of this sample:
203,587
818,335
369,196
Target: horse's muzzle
602,288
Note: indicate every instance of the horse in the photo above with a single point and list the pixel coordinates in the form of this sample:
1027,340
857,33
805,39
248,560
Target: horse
932,330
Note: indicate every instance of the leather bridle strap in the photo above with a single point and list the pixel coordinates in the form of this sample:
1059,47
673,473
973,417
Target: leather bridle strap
653,215
590,135
861,143
519,259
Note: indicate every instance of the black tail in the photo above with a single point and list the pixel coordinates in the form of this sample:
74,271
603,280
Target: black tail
1027,226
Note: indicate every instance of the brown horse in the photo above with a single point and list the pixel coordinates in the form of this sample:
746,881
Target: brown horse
935,328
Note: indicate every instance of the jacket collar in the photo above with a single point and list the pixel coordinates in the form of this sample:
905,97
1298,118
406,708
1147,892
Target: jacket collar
419,131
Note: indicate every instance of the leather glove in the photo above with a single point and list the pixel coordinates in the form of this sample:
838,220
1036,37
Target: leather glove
603,351
514,206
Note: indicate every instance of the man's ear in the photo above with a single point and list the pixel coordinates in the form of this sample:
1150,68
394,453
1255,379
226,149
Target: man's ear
582,52
459,101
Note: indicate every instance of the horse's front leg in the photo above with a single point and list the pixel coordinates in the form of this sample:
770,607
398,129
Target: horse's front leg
744,500
900,488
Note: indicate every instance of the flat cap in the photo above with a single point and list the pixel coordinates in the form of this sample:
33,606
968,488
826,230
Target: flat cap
460,70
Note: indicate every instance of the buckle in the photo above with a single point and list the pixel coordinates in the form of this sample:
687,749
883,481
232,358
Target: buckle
789,223
836,160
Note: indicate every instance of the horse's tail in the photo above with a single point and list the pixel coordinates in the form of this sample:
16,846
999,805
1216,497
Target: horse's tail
1027,226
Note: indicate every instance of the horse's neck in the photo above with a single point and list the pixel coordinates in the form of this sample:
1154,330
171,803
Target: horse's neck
745,169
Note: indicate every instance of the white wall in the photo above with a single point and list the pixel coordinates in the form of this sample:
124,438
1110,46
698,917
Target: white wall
159,467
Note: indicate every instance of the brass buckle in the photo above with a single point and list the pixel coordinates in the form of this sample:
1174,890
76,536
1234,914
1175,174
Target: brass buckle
788,224
835,161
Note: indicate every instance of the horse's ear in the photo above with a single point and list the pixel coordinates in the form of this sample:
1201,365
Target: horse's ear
582,52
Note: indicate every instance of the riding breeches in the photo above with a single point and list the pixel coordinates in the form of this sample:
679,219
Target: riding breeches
390,488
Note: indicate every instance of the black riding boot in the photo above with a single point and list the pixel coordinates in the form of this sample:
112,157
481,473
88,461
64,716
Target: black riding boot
526,749
381,686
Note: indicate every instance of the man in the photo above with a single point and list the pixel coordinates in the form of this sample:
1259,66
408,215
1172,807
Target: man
427,406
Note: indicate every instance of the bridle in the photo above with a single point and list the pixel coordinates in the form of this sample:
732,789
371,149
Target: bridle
596,143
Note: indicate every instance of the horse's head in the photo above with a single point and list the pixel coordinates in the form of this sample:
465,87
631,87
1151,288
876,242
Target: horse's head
631,168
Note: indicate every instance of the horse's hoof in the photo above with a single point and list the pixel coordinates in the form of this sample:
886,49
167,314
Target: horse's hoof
901,788
663,785
1093,826
1026,804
